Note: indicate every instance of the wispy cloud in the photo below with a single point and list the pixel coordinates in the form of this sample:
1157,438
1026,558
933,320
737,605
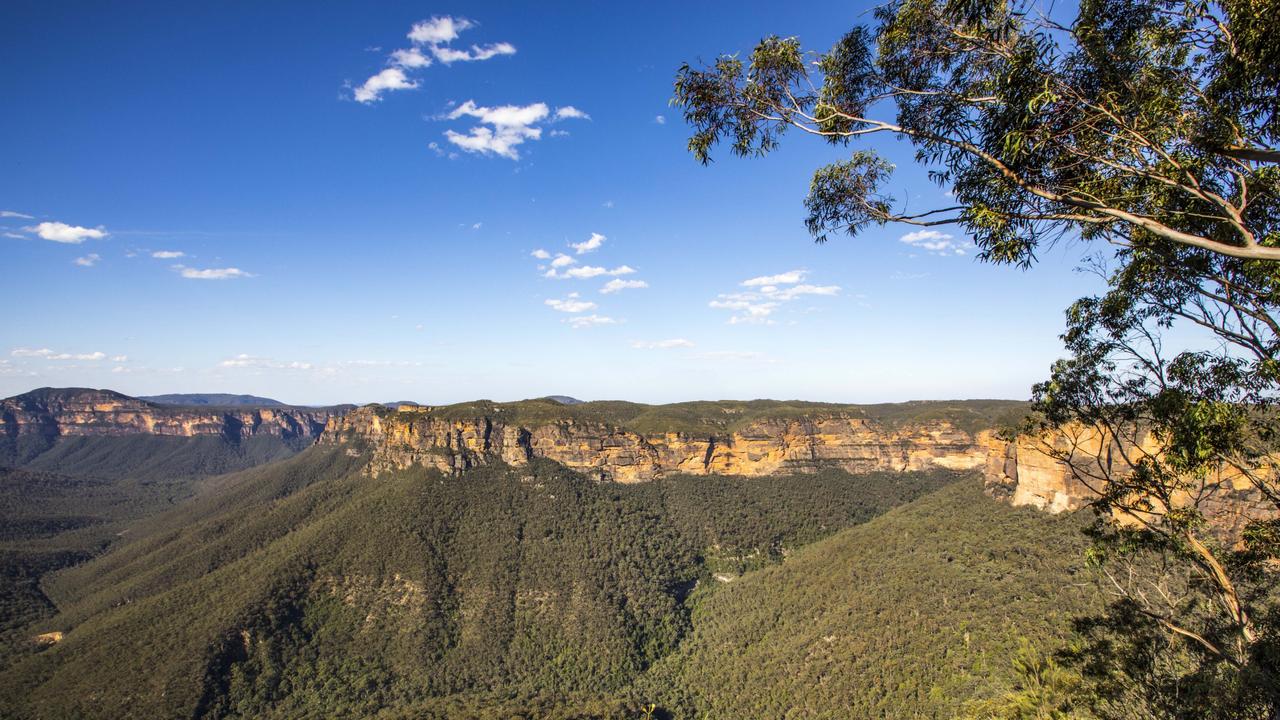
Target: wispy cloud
88,260
899,275
938,243
588,271
448,55
503,129
786,278
570,304
616,285
661,119
64,233
410,58
582,321
15,214
569,112
662,344
430,39
47,354
392,78
541,254
229,273
168,254
748,308
592,243
261,363
439,30
768,293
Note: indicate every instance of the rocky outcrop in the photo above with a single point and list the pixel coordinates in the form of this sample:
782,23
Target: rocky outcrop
63,412
607,452
1064,470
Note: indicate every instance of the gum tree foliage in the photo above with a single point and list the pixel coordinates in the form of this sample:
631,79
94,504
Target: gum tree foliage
1151,130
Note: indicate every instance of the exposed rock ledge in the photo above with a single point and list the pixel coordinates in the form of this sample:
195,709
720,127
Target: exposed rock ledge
612,453
56,412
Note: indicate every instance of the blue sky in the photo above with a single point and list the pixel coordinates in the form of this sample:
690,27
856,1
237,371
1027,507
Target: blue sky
344,240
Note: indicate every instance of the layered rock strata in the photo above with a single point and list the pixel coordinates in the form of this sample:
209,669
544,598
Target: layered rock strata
83,412
613,453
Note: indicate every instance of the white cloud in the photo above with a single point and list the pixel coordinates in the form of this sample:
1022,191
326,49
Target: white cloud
13,214
88,260
260,363
562,260
411,58
448,55
935,242
502,129
615,285
438,30
571,304
757,306
477,226
588,271
47,354
15,236
168,254
392,78
748,310
793,292
541,254
786,278
569,112
592,243
582,321
64,233
661,344
430,38
119,358
211,273
661,119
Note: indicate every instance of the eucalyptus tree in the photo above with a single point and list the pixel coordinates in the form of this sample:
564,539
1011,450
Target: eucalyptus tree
1149,129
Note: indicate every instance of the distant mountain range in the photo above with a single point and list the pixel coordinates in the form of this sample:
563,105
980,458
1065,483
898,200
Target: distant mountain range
217,399
565,399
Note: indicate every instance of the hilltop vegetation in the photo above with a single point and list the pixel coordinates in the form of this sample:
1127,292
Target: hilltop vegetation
215,399
726,416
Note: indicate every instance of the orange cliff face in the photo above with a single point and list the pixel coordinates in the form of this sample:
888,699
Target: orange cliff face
611,453
1031,471
83,412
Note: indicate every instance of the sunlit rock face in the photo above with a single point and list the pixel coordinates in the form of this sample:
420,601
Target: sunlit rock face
610,453
1066,469
74,412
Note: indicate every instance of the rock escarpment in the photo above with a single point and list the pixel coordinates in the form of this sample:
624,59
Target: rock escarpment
613,452
78,412
1064,471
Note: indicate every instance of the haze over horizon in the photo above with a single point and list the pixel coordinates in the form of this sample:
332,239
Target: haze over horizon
443,203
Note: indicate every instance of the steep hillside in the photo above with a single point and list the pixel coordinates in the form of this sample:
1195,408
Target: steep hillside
908,616
79,467
306,587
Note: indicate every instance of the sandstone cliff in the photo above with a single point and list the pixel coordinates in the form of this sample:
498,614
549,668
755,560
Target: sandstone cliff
63,412
1063,470
611,451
